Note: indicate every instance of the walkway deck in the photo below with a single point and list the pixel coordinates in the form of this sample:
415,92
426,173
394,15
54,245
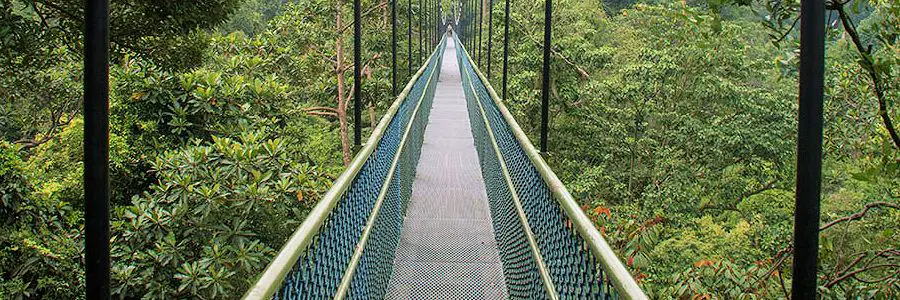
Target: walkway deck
447,248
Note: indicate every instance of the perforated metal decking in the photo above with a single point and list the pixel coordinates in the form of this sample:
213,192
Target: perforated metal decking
447,248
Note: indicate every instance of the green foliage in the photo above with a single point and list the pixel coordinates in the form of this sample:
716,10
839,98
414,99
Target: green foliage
163,31
39,250
674,125
253,16
214,218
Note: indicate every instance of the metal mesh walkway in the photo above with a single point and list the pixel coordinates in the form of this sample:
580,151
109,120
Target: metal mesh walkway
447,248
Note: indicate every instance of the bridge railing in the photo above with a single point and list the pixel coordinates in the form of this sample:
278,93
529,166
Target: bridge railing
549,247
345,247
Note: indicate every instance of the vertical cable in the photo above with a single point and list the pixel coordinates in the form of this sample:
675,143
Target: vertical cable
357,80
469,31
419,16
490,35
424,14
472,27
505,49
409,38
809,149
96,149
393,47
435,26
472,22
479,18
545,84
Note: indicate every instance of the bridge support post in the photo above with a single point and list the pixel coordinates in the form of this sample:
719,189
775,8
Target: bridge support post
357,80
479,18
419,19
393,48
96,149
545,83
809,149
490,35
505,48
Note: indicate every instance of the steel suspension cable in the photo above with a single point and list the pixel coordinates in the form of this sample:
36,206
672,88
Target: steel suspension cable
393,48
474,41
470,33
425,19
490,35
474,21
437,21
419,18
545,84
505,49
357,75
479,18
409,38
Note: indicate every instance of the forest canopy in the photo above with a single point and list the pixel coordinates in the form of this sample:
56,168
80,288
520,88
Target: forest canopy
673,123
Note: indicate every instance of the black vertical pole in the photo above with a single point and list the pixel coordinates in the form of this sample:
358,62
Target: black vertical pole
545,84
409,38
469,23
435,26
419,16
490,35
480,19
474,21
505,49
465,16
809,149
96,149
435,17
472,27
425,20
435,20
357,75
435,33
394,47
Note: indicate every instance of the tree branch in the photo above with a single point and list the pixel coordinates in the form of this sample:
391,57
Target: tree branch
869,65
315,108
788,32
860,214
584,74
363,14
857,271
322,113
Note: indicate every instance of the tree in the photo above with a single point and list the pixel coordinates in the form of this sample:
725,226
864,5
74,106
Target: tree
875,42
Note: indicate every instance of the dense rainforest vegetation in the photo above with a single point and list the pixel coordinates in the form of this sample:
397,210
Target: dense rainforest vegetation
673,122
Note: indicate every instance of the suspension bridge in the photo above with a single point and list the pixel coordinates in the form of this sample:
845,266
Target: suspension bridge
448,198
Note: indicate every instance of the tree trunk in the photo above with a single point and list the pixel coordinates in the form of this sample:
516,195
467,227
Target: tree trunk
345,137
339,69
371,116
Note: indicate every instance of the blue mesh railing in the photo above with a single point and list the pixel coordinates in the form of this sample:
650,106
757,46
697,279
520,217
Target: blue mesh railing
549,248
345,247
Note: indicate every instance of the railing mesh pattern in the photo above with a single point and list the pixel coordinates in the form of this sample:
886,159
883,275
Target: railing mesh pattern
575,271
318,271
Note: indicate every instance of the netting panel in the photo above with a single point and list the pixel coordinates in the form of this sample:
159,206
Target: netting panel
522,277
374,270
318,271
575,271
